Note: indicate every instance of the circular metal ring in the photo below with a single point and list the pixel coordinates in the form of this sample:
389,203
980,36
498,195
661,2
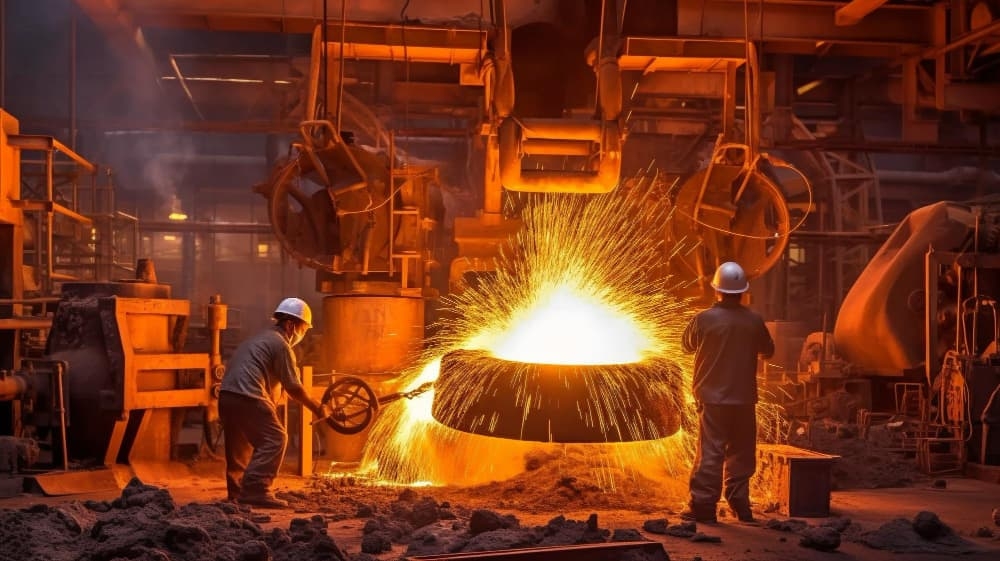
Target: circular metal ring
353,404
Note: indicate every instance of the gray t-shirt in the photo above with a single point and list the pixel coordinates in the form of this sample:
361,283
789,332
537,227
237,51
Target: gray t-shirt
261,366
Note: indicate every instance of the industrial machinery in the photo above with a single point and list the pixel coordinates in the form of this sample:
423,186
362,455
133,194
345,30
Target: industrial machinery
108,392
917,335
114,387
353,404
350,204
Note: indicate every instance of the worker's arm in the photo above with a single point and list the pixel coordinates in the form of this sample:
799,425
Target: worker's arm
689,341
288,372
299,393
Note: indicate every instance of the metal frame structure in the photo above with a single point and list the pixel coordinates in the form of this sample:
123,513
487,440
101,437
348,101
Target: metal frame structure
69,189
132,366
854,203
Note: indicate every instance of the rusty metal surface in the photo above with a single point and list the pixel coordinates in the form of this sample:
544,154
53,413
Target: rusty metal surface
371,334
882,299
48,144
481,394
645,551
59,483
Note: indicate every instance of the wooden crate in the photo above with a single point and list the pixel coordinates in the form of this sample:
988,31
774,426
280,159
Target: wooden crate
798,480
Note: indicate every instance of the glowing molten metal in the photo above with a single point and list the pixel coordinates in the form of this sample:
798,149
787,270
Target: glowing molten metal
574,338
569,326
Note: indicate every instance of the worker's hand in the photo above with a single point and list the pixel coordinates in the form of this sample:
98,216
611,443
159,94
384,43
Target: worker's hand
322,411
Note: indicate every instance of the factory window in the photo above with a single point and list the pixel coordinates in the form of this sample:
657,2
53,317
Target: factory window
232,247
796,253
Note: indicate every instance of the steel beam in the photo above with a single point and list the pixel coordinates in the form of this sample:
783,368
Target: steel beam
980,34
652,54
803,22
44,143
51,206
132,126
583,552
285,16
972,97
856,10
890,147
184,226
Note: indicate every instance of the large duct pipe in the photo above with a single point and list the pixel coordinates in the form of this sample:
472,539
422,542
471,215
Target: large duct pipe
963,175
13,386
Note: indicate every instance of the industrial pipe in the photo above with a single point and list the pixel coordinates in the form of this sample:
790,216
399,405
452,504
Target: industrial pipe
13,386
951,177
217,322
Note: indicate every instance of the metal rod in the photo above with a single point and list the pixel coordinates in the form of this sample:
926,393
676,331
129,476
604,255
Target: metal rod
60,385
184,86
392,204
340,78
72,87
930,314
3,53
49,218
41,300
970,37
598,56
323,67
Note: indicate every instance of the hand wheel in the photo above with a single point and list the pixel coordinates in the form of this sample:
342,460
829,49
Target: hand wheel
352,404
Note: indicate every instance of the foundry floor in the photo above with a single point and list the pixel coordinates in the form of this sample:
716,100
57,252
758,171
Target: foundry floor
963,504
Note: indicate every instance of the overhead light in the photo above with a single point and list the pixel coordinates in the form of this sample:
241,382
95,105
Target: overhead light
808,87
169,237
227,80
176,212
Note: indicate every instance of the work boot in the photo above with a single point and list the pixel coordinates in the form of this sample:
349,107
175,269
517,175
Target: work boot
741,509
265,500
699,515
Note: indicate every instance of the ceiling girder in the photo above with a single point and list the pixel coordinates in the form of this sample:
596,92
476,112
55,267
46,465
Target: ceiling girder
799,21
856,10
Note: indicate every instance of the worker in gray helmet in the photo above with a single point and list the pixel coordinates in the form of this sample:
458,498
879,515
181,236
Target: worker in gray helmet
726,340
255,375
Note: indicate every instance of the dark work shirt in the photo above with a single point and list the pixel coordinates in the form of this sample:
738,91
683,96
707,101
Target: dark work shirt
261,366
726,340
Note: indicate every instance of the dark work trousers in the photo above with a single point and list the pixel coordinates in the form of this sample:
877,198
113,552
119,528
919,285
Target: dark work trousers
255,444
727,442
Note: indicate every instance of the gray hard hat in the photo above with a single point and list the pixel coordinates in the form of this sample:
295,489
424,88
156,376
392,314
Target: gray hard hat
730,279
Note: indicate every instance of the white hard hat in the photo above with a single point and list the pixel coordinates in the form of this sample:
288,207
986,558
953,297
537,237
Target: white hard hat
730,279
297,308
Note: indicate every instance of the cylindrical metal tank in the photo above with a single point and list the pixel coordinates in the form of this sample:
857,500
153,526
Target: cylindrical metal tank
373,337
370,334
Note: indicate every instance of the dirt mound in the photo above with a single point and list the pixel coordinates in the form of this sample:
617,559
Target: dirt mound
924,534
864,463
145,524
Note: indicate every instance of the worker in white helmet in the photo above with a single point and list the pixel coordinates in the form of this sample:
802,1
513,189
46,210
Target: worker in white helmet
255,375
726,340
